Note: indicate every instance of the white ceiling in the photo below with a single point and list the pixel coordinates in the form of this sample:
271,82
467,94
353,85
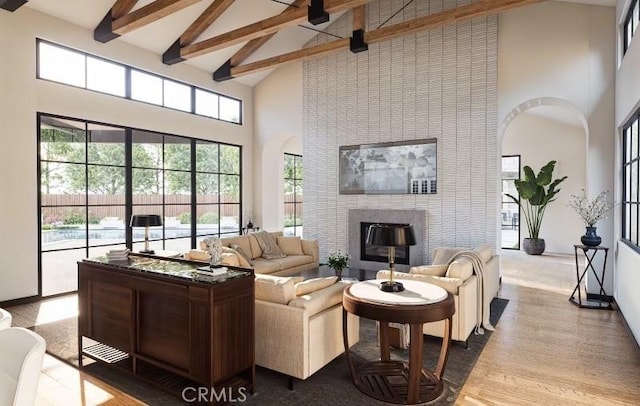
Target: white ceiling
158,36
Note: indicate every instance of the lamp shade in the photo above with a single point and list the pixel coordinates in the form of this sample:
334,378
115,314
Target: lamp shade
391,235
145,220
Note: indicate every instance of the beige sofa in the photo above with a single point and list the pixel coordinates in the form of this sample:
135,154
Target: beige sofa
459,278
299,324
244,251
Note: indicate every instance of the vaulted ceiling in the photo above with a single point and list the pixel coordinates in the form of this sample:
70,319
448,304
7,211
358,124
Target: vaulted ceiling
241,40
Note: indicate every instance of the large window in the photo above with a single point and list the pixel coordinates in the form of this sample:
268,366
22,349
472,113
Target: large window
631,22
64,65
292,194
93,177
631,182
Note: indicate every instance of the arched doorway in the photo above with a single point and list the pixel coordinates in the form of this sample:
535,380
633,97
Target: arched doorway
538,131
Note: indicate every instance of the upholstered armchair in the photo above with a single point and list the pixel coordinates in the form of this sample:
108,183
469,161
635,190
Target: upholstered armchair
299,324
21,354
457,275
5,319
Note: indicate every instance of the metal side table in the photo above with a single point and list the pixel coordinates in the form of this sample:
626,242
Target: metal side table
589,303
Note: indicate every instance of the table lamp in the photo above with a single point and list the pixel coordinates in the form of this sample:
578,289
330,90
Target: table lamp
391,236
146,221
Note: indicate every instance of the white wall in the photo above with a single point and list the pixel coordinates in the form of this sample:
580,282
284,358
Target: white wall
277,129
23,96
539,140
438,84
564,51
627,260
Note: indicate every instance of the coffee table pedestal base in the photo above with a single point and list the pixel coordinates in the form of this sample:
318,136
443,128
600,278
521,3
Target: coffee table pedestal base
387,381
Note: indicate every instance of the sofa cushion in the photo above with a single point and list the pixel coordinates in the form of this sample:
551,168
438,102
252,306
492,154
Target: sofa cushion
485,252
269,245
241,241
311,285
292,261
230,259
449,284
276,289
256,251
198,255
290,245
320,300
442,255
461,268
436,270
240,252
261,265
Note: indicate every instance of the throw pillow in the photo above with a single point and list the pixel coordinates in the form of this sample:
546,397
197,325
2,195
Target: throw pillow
461,268
435,270
290,245
275,289
269,245
242,254
311,285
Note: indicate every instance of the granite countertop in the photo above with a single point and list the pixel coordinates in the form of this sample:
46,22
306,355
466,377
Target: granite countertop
172,268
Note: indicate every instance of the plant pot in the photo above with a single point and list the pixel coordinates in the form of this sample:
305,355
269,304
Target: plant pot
533,246
591,239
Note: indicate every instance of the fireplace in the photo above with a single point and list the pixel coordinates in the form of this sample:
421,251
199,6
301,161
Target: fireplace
375,253
405,256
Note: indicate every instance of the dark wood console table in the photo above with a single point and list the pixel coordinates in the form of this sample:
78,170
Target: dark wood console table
164,322
395,381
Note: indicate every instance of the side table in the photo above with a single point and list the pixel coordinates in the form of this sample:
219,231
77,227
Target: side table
395,381
587,303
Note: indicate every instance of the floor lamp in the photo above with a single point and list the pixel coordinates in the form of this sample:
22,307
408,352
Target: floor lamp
391,236
146,221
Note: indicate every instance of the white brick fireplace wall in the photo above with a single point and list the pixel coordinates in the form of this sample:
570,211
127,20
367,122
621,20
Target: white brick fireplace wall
435,84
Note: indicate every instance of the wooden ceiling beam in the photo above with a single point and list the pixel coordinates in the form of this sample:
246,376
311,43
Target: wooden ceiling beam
467,12
358,18
252,46
112,27
148,14
261,28
122,7
204,21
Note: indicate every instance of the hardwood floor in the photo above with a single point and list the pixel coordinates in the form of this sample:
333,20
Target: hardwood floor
545,351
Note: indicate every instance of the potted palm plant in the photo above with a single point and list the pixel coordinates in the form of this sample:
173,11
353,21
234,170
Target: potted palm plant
536,192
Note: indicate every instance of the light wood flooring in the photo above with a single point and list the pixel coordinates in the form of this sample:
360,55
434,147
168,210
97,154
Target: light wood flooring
545,351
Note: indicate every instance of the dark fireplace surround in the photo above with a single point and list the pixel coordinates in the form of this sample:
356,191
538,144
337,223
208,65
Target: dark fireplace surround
355,230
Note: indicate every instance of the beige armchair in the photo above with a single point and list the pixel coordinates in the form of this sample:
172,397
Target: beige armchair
459,278
299,324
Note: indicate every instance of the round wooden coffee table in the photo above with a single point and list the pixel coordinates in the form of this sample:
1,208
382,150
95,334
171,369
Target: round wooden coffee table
395,381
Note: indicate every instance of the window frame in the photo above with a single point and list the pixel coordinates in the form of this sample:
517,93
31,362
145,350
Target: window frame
627,201
128,205
128,84
629,20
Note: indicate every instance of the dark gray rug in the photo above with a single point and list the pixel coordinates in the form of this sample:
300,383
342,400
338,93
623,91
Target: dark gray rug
331,385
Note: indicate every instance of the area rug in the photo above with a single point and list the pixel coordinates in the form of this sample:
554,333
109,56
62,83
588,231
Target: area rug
331,385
